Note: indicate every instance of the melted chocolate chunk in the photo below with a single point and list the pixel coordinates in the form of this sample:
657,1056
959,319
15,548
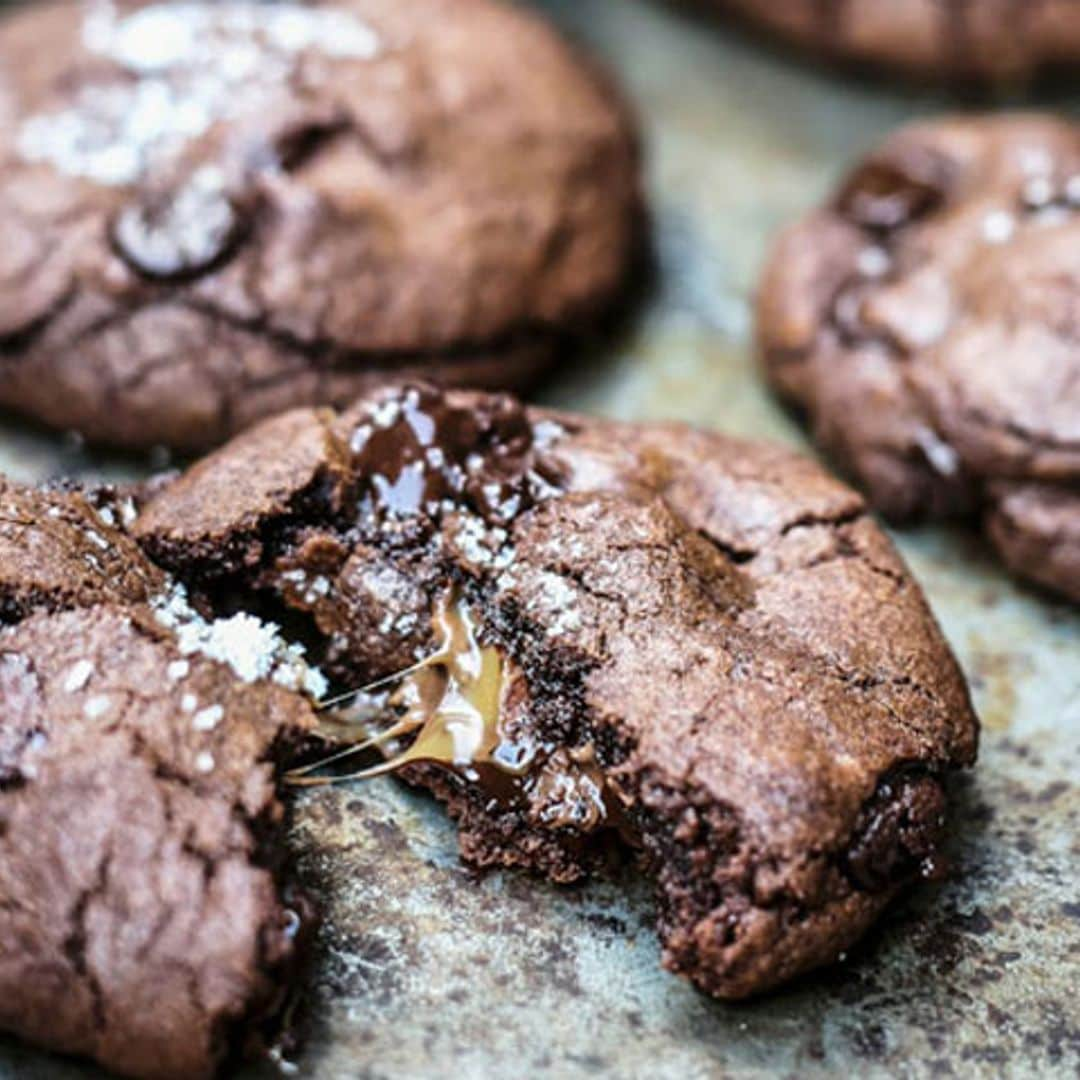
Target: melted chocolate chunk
885,195
420,453
299,143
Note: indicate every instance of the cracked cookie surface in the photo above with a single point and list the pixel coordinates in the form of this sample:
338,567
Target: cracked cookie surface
925,320
213,211
984,40
144,919
701,644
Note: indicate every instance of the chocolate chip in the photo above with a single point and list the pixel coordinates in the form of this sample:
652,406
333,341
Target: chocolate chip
886,195
183,233
297,145
899,834
425,450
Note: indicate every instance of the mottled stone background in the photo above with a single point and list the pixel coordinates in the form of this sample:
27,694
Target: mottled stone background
425,971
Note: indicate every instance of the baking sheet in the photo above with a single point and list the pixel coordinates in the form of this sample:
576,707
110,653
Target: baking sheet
425,971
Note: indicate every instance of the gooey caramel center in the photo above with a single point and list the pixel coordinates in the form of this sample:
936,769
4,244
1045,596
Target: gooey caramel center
453,699
452,707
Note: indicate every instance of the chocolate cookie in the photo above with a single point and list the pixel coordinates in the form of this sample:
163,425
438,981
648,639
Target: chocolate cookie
215,210
145,920
925,321
572,630
1001,40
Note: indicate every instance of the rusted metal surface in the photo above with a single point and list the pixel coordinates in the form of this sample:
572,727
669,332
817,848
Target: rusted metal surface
424,971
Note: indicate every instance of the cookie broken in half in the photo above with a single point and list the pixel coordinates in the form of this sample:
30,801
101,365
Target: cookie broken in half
573,630
147,915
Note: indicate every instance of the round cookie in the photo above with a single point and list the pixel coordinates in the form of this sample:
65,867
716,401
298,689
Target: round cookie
1000,40
926,321
701,644
213,211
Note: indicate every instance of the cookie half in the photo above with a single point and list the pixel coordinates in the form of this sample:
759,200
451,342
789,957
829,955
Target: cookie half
216,210
924,320
146,916
983,40
573,630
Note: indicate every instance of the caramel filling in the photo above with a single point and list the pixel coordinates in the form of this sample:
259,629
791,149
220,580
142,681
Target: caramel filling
453,708
452,700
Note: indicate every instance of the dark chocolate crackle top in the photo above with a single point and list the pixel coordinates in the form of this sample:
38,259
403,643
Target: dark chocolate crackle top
215,210
984,40
702,643
926,320
144,919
